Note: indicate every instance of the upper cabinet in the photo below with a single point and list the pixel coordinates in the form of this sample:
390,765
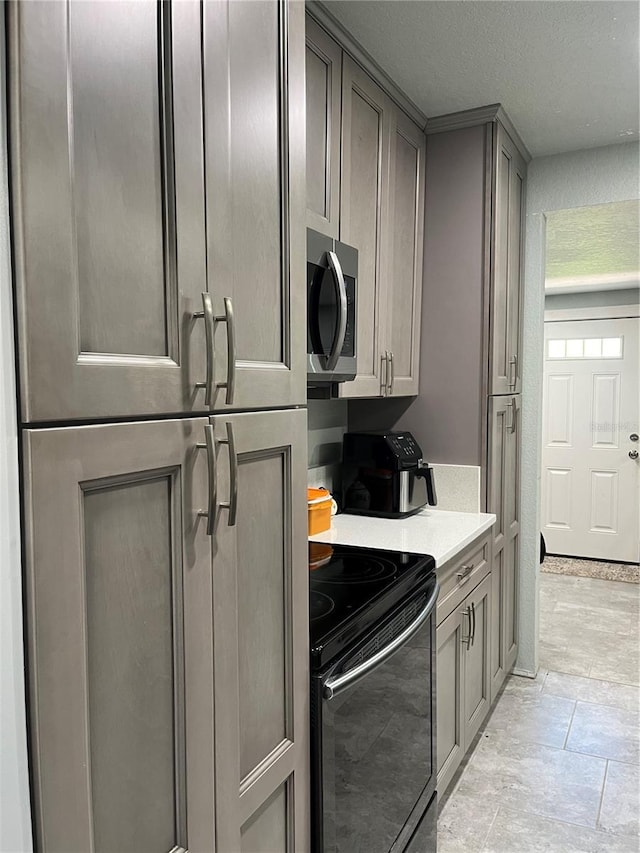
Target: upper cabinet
404,294
508,198
364,217
365,186
323,84
144,288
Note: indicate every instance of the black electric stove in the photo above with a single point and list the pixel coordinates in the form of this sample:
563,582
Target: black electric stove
373,682
352,588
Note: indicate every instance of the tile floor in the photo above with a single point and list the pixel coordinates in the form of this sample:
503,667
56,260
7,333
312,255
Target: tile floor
556,766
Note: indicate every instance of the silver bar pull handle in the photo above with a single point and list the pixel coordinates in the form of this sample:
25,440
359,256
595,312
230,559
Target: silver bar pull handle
473,617
336,684
513,371
229,318
514,416
467,640
392,373
232,503
384,370
210,446
209,325
463,574
341,326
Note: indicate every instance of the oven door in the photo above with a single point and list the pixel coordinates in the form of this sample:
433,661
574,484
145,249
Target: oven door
373,735
331,305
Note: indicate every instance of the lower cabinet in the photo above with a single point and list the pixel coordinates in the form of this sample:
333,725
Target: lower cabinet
144,627
463,640
503,486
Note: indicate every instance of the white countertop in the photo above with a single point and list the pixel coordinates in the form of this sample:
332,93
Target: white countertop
440,533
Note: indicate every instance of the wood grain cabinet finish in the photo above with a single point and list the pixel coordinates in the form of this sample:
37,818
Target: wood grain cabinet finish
324,99
261,629
382,215
406,237
365,186
143,630
503,489
120,637
509,173
121,219
463,667
254,132
364,217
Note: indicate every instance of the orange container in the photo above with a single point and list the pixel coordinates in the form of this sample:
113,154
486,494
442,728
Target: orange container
319,510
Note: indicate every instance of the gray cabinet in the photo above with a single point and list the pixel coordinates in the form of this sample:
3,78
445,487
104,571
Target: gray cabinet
365,185
118,232
143,629
255,200
119,630
463,639
324,97
503,488
509,170
364,217
261,629
406,236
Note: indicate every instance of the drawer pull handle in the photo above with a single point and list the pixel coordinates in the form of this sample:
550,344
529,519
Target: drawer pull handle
463,575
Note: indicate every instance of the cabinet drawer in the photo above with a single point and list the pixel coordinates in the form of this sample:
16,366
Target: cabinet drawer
458,577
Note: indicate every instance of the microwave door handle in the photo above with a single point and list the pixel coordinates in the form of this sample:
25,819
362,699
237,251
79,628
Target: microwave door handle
427,472
335,685
341,325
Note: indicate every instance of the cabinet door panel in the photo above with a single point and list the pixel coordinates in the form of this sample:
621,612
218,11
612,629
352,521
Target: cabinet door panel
450,698
108,203
499,324
404,281
477,684
260,624
324,95
506,280
498,670
120,637
516,267
254,144
512,529
364,215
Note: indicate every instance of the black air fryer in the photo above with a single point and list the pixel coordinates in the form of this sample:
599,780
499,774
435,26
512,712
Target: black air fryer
384,475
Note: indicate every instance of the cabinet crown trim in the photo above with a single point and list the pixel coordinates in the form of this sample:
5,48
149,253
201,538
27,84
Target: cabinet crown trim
475,116
346,41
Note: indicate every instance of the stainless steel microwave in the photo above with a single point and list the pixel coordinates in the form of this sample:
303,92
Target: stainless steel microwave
332,276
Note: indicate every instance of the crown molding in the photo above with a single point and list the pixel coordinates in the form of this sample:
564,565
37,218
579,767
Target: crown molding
335,29
479,115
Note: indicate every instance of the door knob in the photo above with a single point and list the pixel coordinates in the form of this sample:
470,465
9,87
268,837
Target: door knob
633,436
633,454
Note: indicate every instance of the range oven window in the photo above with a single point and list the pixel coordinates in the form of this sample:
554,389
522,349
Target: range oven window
324,316
374,751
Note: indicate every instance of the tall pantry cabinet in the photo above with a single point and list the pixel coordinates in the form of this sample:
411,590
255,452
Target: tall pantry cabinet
158,224
470,364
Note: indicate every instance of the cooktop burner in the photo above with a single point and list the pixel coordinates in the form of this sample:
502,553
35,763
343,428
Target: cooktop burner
320,605
355,569
353,588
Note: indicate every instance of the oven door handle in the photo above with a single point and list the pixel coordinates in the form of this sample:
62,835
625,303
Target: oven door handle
341,296
333,686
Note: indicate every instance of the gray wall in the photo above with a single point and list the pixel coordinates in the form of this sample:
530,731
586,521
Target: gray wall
446,417
559,182
591,299
15,815
327,423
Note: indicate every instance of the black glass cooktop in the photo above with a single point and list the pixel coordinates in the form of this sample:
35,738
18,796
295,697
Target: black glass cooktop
353,588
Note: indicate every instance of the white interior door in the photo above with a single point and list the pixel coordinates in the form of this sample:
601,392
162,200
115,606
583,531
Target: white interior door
590,465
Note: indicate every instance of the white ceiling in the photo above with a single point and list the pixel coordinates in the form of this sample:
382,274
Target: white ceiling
566,71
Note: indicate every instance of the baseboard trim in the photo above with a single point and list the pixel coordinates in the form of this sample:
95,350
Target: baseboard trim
525,673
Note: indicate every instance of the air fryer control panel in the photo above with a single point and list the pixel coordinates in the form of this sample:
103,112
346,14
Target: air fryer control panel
404,445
